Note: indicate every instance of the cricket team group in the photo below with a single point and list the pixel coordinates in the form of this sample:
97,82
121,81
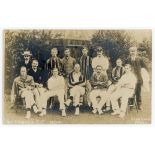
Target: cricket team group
70,79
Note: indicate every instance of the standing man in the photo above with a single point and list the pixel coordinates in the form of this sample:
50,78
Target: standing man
100,60
27,60
98,95
77,83
124,90
56,87
137,64
68,63
23,87
86,63
86,70
53,61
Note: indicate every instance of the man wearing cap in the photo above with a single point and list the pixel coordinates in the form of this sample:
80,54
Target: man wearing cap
56,87
23,86
100,60
27,60
76,83
137,64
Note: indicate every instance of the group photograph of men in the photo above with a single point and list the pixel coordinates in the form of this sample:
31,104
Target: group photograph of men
77,76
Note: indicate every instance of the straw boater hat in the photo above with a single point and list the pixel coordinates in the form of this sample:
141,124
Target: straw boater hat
27,53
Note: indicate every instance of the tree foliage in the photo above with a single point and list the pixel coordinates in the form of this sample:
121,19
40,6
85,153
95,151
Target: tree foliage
38,42
116,43
145,48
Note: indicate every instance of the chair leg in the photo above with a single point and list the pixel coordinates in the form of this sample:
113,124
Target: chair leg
136,105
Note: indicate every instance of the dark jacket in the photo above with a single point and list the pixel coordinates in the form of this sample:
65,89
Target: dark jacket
53,63
72,82
99,81
117,73
136,65
37,76
86,66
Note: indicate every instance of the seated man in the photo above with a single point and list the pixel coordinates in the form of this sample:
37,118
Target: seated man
22,87
36,73
98,95
124,90
117,73
77,84
56,87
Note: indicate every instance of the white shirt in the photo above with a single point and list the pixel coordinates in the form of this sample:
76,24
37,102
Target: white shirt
101,61
76,76
26,62
128,80
56,83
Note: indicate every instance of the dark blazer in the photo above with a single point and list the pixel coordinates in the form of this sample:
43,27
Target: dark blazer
136,65
86,66
51,63
37,76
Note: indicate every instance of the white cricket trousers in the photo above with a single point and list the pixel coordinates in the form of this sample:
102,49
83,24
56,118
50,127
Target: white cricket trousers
110,91
98,92
124,94
29,98
76,92
38,94
60,93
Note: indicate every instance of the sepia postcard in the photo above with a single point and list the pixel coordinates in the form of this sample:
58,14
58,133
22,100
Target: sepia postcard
98,76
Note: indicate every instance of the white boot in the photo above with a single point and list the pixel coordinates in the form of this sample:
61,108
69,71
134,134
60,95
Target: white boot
100,112
77,111
35,109
43,113
121,115
63,113
94,111
28,115
68,102
116,112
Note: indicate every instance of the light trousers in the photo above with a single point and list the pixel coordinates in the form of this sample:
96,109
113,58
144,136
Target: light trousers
124,94
76,92
95,93
38,94
29,98
60,93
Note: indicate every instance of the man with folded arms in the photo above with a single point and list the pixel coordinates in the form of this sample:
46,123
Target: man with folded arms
98,95
77,83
